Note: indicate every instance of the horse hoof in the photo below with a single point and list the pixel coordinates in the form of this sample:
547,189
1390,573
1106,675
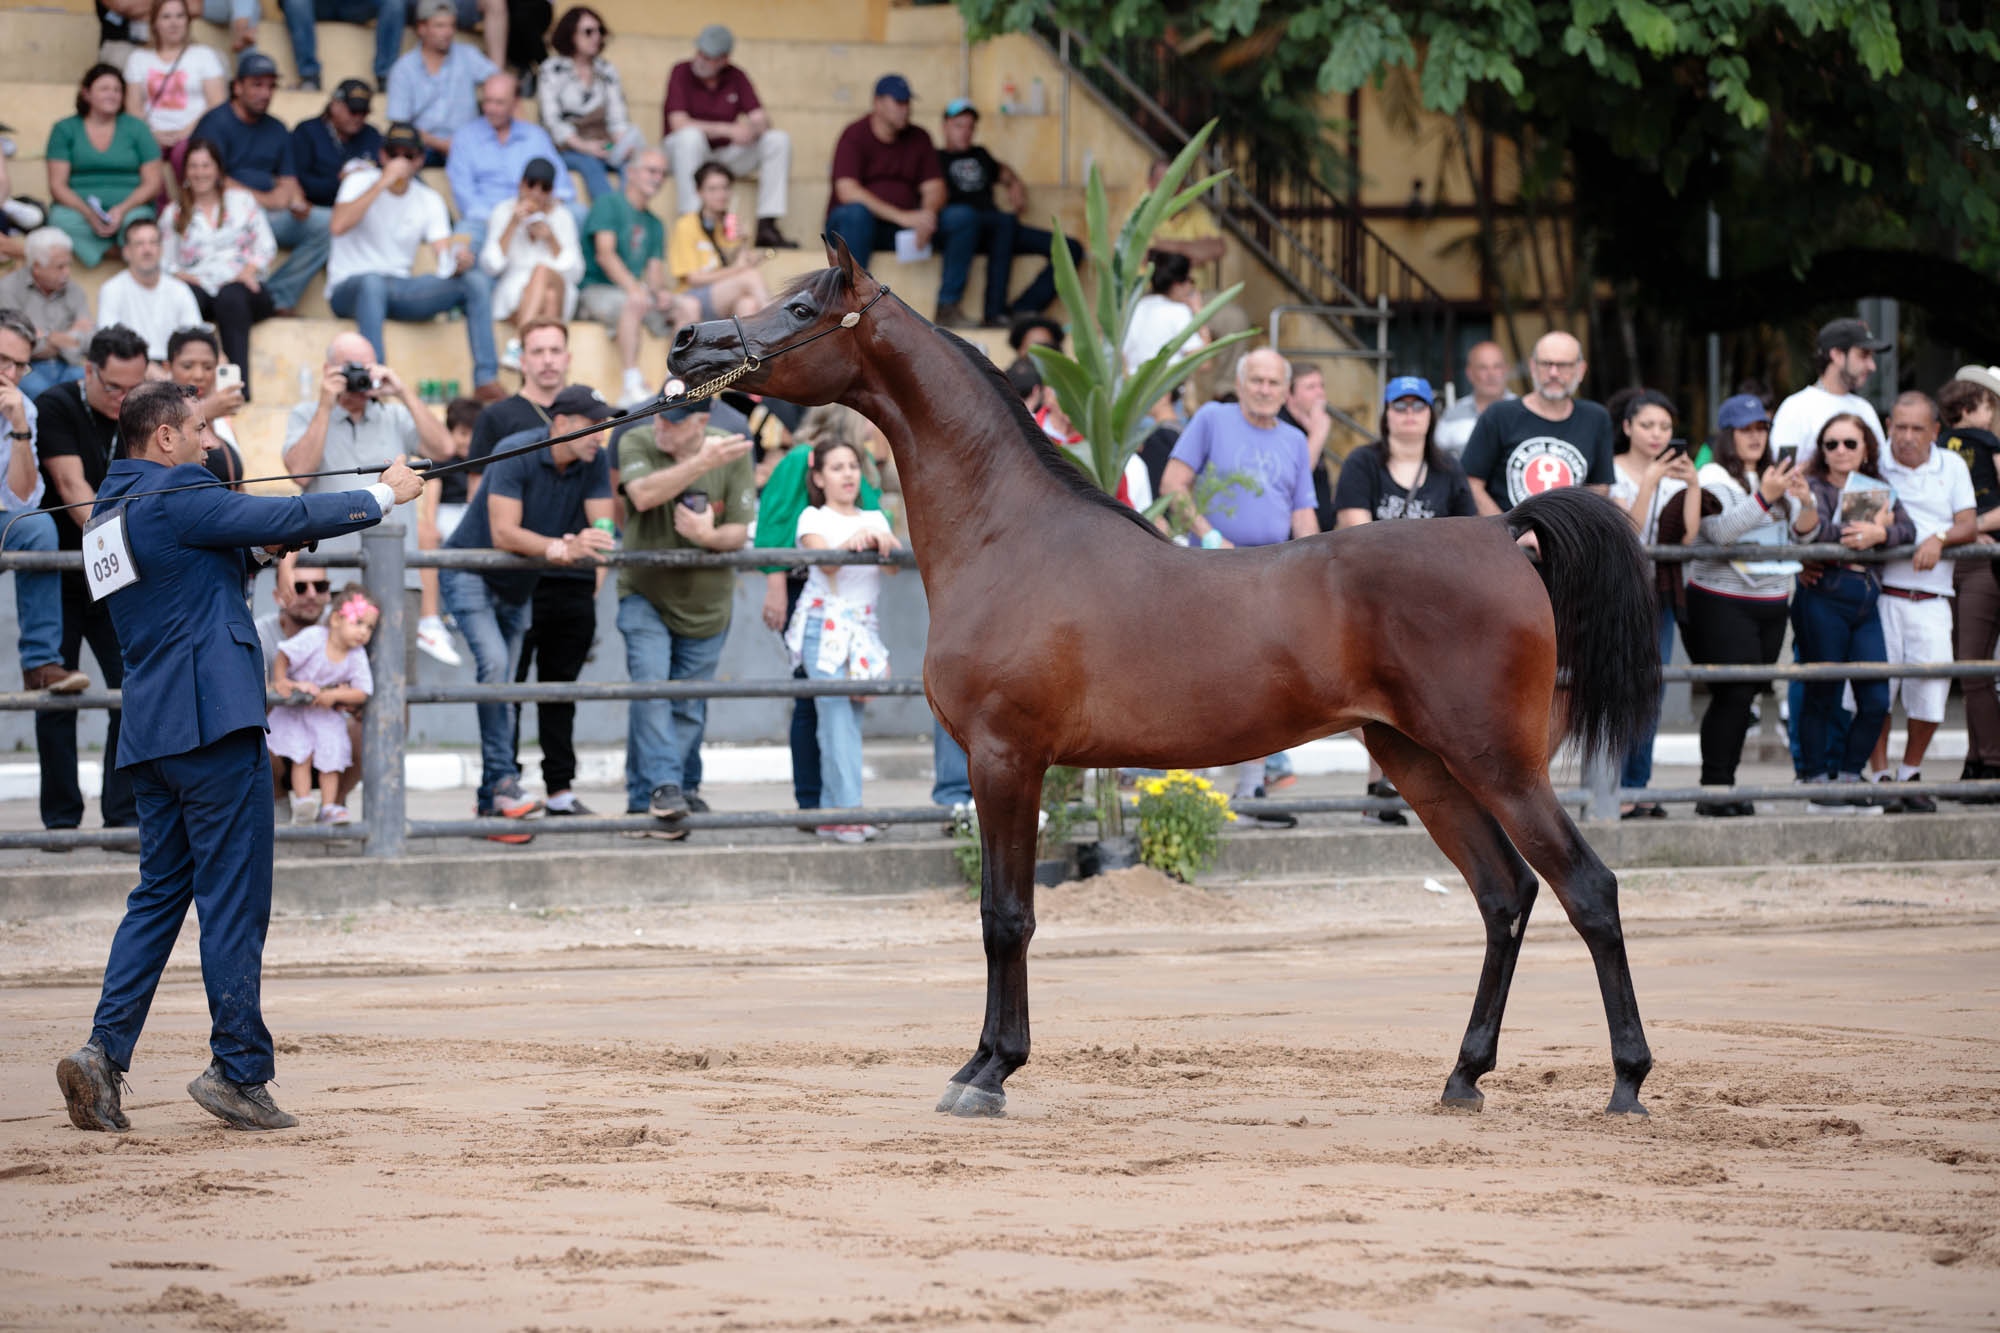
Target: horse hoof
979,1102
952,1092
1472,1105
1631,1108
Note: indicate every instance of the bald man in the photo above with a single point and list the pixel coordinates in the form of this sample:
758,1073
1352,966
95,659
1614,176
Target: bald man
1543,442
1486,372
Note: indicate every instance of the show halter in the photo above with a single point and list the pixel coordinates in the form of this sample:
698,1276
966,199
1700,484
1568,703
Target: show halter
749,365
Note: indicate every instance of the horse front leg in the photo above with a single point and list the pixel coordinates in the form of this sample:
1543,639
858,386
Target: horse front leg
1008,796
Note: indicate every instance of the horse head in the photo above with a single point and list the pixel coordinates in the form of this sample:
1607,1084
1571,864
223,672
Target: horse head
803,348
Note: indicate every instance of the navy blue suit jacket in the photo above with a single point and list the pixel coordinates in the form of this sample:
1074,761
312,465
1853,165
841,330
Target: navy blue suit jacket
194,671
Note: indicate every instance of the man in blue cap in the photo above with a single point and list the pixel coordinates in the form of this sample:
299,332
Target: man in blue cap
886,179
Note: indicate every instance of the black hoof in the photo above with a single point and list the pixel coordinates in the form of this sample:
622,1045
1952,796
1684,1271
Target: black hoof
1472,1105
974,1102
1628,1106
952,1092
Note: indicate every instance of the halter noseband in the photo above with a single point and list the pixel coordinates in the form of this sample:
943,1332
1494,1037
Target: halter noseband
751,363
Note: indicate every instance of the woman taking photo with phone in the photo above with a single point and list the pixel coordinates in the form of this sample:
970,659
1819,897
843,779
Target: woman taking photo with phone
1653,475
1736,609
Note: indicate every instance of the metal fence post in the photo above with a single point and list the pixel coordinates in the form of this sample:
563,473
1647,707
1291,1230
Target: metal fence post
1600,776
383,731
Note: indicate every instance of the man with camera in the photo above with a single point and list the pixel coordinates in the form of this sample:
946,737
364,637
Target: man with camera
364,416
686,489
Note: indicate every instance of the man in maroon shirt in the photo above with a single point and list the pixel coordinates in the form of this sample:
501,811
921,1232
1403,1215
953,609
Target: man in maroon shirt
713,115
886,179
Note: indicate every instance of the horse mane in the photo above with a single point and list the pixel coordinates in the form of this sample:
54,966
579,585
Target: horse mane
1055,461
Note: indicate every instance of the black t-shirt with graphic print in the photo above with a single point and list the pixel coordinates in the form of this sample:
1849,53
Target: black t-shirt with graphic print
1365,483
969,177
1518,454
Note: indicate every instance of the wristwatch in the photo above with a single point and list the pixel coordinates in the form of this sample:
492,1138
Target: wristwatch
22,434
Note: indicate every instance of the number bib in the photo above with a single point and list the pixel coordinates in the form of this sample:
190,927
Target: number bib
107,558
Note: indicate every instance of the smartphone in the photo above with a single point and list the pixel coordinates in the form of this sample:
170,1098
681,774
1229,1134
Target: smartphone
228,375
695,500
1787,454
1674,449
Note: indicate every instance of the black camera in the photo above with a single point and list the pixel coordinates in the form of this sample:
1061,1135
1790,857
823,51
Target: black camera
360,379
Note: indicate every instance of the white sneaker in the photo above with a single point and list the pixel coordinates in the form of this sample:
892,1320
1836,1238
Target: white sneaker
23,214
634,392
510,359
305,809
435,640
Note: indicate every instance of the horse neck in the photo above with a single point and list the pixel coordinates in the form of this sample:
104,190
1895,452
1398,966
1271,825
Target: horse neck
965,470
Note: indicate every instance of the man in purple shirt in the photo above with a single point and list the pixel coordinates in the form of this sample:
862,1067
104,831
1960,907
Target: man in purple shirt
886,179
714,115
1247,438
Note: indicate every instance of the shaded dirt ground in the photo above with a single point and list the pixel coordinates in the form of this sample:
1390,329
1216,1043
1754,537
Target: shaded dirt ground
719,1117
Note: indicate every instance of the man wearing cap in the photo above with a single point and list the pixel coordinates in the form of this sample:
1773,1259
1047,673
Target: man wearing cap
970,176
489,154
1845,360
323,146
713,115
256,151
381,218
887,178
300,15
686,488
1548,440
435,84
541,504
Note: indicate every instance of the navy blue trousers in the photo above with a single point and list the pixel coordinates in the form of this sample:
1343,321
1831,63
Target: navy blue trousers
205,837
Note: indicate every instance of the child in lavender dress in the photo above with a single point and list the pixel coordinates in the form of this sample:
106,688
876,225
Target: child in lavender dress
329,664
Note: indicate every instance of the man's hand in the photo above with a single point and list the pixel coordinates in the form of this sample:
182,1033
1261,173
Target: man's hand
332,384
774,603
719,449
697,526
1017,194
575,546
399,169
399,478
742,132
388,381
14,406
1929,553
299,206
462,260
924,223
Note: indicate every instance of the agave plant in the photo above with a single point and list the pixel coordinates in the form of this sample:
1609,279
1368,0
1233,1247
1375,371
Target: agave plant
1107,406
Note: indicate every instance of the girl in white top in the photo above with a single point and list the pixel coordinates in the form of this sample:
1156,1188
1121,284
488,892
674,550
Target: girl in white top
835,633
172,84
532,251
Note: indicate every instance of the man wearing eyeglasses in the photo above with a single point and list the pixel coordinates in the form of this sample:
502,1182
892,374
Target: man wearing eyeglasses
301,593
77,437
37,593
1548,440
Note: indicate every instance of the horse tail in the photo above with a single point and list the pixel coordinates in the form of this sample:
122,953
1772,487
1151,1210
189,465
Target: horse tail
1601,589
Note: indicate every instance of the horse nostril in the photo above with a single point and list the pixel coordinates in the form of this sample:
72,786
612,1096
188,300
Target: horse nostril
684,340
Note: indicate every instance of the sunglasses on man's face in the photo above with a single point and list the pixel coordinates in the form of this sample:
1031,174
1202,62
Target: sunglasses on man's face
320,586
411,153
1841,442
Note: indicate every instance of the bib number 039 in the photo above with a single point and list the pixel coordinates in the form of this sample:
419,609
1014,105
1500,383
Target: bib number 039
107,557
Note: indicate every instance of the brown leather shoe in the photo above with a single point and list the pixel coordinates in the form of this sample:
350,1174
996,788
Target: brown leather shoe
770,238
952,316
55,678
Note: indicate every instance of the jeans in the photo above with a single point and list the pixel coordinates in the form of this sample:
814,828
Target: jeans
1638,768
205,838
308,238
839,734
45,375
663,736
387,16
55,733
865,233
562,626
221,12
37,593
370,298
601,177
967,231
1795,705
1042,291
1834,620
952,783
494,628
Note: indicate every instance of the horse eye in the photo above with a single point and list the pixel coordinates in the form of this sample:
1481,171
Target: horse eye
802,311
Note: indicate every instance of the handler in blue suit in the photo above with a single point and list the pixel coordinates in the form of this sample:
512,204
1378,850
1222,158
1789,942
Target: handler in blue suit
193,741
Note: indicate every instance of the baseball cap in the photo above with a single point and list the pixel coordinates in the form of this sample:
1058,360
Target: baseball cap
683,410
1842,334
893,86
1745,409
580,400
1409,386
430,9
539,171
959,106
1986,377
402,134
254,64
715,41
358,95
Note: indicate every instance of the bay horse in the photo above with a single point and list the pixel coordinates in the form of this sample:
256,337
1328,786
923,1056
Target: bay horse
1065,630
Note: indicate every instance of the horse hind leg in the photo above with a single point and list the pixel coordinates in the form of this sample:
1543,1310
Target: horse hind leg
1501,882
1588,891
1008,797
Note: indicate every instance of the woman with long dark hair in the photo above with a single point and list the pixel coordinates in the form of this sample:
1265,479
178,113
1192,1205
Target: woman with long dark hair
1736,609
218,241
1834,613
1402,473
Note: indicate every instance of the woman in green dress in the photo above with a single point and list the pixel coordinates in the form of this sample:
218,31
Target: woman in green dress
104,167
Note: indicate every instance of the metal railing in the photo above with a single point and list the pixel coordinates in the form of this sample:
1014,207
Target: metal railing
387,829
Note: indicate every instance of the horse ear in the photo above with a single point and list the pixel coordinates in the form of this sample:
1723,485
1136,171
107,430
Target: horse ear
840,257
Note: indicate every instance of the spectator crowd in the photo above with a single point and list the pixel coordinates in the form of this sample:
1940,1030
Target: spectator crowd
220,216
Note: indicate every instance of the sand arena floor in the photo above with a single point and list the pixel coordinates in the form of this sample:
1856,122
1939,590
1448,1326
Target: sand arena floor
718,1117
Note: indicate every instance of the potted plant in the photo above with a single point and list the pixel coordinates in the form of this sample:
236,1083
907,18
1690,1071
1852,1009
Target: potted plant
1180,823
